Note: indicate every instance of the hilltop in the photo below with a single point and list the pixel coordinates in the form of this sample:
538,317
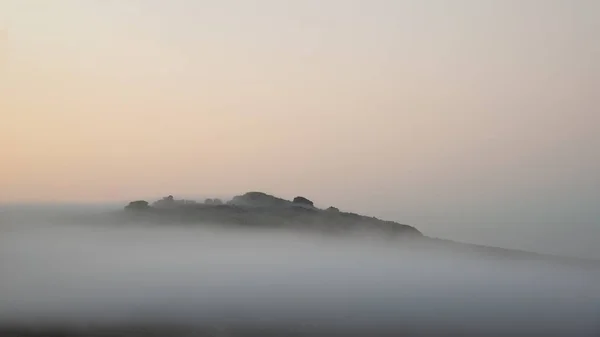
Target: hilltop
263,210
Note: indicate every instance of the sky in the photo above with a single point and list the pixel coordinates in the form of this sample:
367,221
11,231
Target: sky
470,119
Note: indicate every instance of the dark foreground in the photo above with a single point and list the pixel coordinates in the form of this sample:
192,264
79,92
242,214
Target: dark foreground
257,331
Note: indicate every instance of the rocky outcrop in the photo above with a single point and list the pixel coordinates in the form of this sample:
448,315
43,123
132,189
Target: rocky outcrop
137,205
166,202
259,209
258,199
303,201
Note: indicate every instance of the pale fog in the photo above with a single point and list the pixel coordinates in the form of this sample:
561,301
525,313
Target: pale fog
94,274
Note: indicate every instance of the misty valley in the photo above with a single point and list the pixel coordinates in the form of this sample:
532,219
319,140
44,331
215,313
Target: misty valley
259,265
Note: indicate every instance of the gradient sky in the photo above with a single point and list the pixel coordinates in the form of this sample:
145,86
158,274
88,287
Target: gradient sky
435,112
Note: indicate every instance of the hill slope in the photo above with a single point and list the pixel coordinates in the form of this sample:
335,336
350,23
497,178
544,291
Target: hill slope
263,210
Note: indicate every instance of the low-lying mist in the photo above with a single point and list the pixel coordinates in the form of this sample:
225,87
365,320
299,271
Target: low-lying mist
189,275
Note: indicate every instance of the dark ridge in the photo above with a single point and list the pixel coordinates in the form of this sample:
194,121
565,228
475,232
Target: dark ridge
261,330
262,210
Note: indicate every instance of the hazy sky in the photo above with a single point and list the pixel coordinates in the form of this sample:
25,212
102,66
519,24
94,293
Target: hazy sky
431,111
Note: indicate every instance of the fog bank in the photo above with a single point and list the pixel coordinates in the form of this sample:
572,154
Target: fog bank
198,276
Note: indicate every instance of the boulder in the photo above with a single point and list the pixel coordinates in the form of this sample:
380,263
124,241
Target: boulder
137,205
166,202
258,199
303,201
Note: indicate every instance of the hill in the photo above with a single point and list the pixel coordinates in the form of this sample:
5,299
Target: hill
263,210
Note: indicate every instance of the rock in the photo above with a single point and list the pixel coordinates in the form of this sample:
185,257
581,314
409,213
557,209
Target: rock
166,202
137,205
258,199
303,201
333,209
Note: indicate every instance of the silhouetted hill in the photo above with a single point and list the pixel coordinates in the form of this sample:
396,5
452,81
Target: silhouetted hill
263,210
